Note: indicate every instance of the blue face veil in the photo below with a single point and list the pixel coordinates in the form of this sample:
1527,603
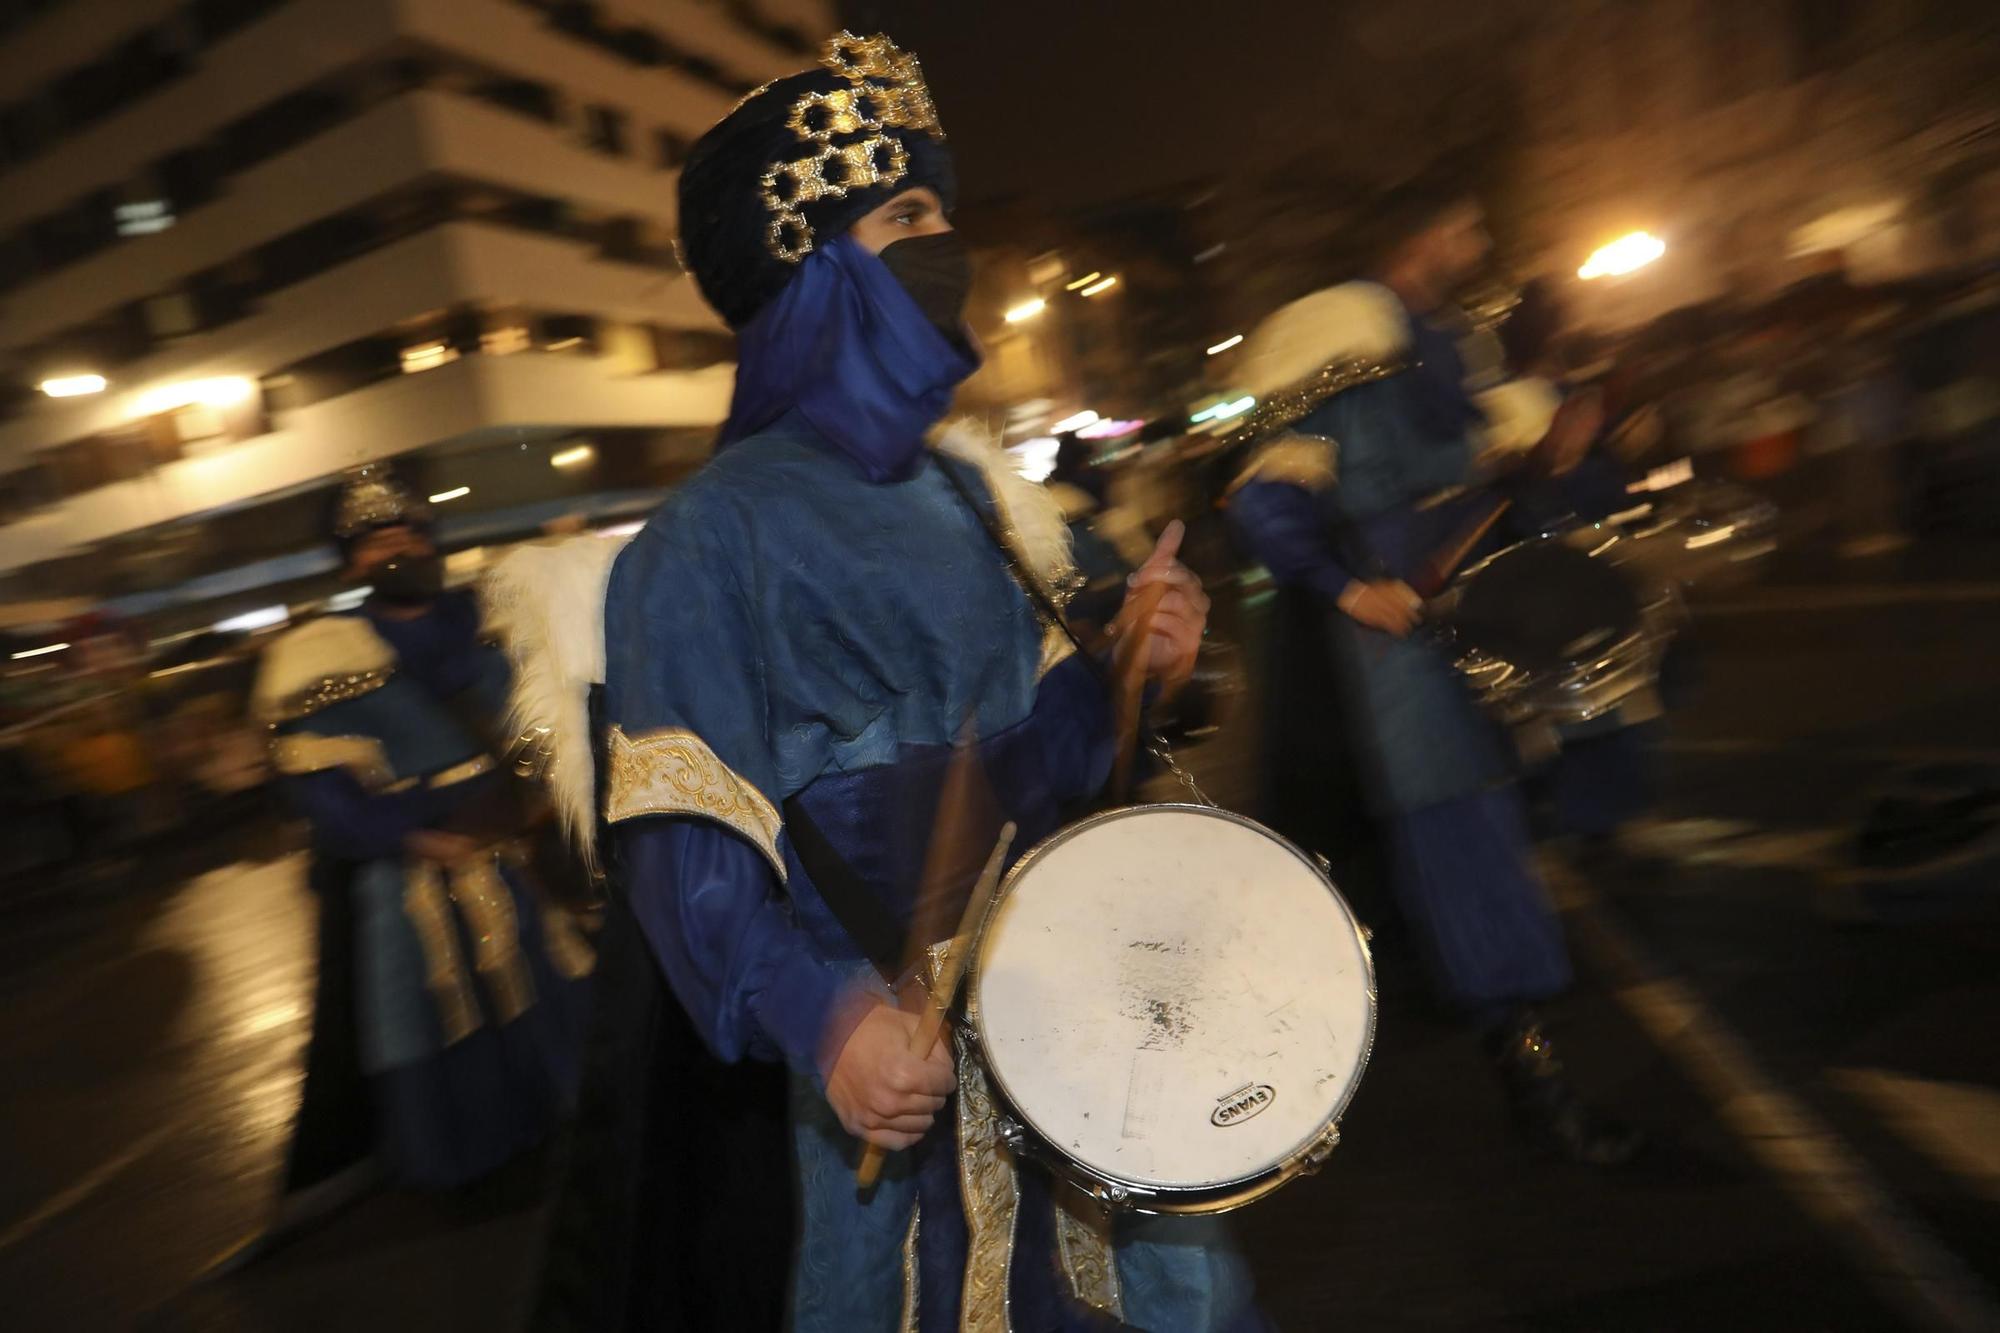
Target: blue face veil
847,347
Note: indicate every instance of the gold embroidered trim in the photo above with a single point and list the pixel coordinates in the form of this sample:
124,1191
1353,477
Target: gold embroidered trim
886,93
464,772
1306,461
363,756
326,693
488,910
992,1197
908,1323
1283,408
1083,1242
1057,648
429,911
672,772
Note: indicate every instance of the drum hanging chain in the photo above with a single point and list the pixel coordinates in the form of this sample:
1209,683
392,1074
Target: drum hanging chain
1052,616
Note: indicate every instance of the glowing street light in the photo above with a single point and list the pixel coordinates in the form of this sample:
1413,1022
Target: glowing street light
222,391
574,456
73,386
1083,281
455,493
1026,310
1075,422
38,652
1225,345
1101,285
1627,254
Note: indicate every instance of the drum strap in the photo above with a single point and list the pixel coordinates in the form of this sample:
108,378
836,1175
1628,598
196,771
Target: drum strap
1052,615
860,911
1038,595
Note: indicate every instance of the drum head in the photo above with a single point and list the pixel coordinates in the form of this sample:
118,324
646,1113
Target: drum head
1173,997
1541,605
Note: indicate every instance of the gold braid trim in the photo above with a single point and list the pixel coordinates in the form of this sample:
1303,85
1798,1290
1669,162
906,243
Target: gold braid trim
1281,409
488,910
1057,648
672,772
1305,461
363,756
324,693
1083,1241
429,911
992,1197
457,773
908,1323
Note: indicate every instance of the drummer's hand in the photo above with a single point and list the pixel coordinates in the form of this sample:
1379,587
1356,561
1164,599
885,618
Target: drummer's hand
882,1093
1182,616
1389,605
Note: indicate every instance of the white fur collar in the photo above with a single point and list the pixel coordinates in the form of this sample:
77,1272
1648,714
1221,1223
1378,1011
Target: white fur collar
301,660
1356,321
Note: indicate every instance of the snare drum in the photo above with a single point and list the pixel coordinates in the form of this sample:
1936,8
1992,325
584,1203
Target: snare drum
1553,636
1174,1006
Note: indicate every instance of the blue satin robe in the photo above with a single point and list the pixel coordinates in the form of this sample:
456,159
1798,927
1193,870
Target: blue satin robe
450,1102
827,638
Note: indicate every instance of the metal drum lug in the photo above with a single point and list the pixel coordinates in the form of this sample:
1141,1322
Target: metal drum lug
1317,1154
1011,1134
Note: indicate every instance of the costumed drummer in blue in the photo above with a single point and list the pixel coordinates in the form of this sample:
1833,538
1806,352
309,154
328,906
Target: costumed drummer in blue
449,1011
1372,461
792,646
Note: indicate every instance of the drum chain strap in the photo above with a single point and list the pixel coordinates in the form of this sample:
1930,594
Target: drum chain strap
1053,617
1157,746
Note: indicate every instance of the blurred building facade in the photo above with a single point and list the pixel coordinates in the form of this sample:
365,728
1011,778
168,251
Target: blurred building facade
296,235
1763,142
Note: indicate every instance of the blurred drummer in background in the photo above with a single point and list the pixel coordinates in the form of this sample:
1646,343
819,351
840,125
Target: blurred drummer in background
1370,431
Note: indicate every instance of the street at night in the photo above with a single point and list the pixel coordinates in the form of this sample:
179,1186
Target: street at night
862,666
162,1016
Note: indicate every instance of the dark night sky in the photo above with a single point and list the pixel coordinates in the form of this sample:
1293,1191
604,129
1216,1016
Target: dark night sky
1081,100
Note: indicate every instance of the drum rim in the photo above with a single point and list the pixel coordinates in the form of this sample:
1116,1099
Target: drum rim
1293,1162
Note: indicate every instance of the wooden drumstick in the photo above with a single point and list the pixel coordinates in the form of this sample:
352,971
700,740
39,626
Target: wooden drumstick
1128,675
950,971
1437,571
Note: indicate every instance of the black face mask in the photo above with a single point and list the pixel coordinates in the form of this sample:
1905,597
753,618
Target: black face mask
409,580
937,273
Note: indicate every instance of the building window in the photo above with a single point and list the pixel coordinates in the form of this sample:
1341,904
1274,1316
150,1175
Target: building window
670,148
604,129
524,97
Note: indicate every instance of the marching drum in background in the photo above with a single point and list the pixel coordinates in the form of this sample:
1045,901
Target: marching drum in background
1173,1006
1553,636
1566,633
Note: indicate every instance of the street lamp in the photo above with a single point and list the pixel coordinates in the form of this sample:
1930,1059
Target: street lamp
1027,310
73,386
1627,254
1101,285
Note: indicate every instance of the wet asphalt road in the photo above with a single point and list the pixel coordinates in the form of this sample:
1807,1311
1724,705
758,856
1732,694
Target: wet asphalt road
152,1021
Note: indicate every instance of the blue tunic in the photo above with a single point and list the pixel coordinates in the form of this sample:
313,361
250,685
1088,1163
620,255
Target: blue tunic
825,639
1434,767
464,1009
791,651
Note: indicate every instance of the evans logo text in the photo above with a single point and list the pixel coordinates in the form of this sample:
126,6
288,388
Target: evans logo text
1240,1106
